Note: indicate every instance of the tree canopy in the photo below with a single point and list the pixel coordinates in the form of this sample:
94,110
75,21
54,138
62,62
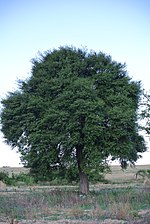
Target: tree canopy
78,109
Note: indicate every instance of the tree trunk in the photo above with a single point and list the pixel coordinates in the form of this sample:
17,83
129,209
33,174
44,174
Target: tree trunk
84,183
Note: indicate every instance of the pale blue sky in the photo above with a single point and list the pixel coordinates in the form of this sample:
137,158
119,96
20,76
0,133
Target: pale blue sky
120,28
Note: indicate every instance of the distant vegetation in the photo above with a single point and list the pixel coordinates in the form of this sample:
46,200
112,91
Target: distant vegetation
22,177
28,179
16,180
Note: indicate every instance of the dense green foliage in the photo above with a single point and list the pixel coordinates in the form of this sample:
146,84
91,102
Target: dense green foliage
16,180
75,111
145,113
4,176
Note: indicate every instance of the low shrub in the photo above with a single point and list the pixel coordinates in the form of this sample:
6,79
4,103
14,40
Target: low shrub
25,178
15,180
3,176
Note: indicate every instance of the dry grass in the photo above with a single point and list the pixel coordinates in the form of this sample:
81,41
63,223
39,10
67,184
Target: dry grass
14,170
122,202
2,185
121,210
128,175
55,205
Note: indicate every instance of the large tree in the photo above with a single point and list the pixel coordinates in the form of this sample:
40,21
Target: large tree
76,110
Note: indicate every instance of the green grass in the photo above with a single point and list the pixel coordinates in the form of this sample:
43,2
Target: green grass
122,198
56,204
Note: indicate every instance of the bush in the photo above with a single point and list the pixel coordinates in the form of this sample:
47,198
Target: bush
27,179
24,177
3,176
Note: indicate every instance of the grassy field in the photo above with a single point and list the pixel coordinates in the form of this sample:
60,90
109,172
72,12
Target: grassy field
123,200
128,175
117,174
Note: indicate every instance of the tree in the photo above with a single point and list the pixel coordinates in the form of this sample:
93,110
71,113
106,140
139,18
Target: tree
77,109
145,113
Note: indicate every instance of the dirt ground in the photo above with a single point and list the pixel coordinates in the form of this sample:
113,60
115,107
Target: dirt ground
107,221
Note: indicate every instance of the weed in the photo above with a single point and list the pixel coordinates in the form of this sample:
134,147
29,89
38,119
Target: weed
121,211
76,213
